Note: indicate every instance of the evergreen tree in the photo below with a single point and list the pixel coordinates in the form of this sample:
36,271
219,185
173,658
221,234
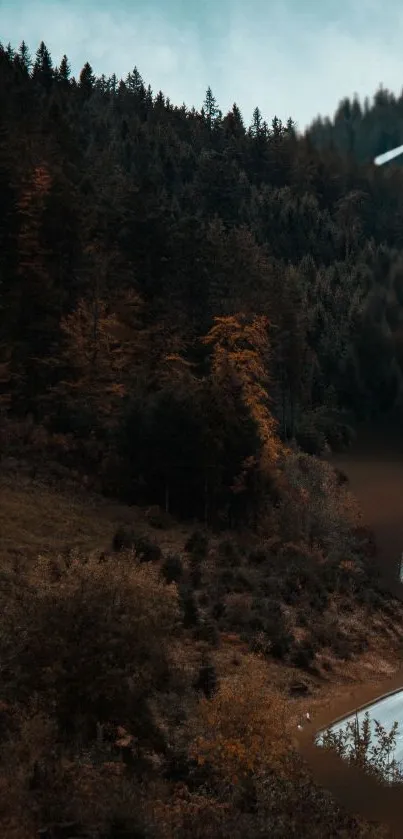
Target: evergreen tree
135,84
64,71
42,71
210,108
87,80
33,302
23,58
257,126
233,124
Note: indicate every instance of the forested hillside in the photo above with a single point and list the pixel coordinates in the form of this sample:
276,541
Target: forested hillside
362,129
190,309
148,252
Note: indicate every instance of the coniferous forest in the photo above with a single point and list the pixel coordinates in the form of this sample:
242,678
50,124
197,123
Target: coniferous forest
192,311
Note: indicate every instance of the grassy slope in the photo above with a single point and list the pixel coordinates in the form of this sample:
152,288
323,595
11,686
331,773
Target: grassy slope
37,519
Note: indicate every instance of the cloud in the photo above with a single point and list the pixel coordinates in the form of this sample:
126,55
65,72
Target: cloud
282,56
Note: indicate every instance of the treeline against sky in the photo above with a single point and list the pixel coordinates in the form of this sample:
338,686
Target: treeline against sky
181,293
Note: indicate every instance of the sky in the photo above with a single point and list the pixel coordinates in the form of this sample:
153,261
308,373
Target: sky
295,58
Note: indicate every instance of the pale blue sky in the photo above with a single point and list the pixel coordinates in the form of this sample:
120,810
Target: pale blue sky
291,57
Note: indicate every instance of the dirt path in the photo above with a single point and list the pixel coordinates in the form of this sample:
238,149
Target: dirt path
375,469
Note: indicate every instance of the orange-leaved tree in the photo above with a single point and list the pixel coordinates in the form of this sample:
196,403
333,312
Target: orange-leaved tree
239,382
240,356
241,732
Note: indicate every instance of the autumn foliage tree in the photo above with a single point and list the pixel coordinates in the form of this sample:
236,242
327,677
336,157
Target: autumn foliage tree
240,355
206,426
240,731
239,360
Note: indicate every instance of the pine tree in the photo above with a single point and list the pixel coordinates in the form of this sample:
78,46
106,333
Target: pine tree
112,84
101,349
233,124
210,108
135,84
23,58
64,71
87,80
34,305
42,71
10,52
149,97
257,128
160,100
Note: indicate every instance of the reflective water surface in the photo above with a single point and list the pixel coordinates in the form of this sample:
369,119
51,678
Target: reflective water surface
385,711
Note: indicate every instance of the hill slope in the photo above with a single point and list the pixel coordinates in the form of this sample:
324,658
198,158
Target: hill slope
73,533
187,305
138,238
